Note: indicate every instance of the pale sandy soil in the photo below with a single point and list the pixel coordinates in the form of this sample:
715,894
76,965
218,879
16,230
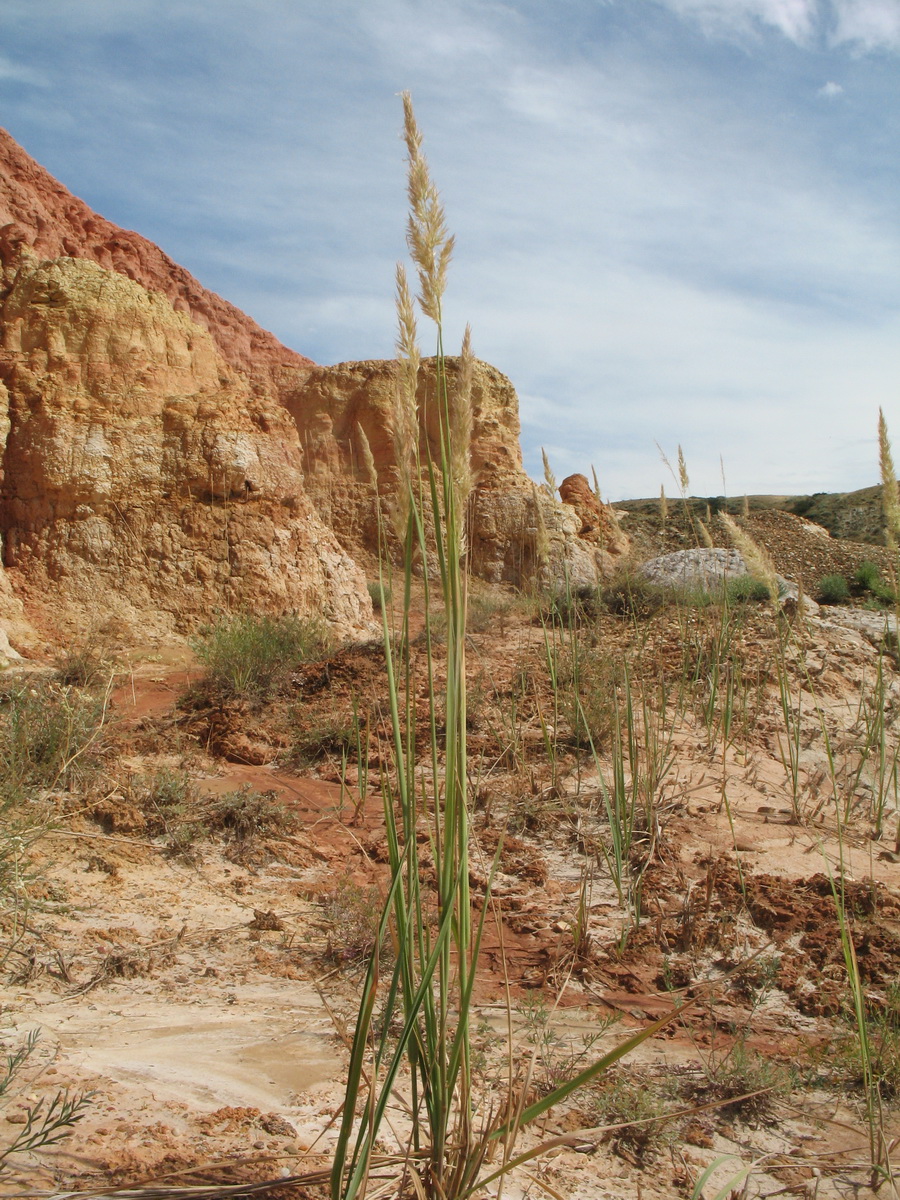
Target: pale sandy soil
204,1000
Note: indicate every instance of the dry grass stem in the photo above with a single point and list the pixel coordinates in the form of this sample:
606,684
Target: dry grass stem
461,422
549,477
542,538
757,560
430,243
889,500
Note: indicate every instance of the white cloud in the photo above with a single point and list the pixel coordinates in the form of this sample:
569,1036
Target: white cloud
830,90
17,73
865,24
869,24
797,20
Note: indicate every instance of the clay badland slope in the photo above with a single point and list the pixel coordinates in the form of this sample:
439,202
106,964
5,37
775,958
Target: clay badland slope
164,456
149,473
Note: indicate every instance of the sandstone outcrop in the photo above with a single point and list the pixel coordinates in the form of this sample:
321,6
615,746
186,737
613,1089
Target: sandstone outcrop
147,481
164,457
509,519
38,214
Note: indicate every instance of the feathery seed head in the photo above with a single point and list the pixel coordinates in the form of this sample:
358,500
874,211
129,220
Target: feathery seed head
683,480
367,456
889,499
549,477
461,420
404,420
427,236
756,557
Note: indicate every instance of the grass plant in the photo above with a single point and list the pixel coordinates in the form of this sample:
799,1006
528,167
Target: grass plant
246,656
833,589
435,930
46,1123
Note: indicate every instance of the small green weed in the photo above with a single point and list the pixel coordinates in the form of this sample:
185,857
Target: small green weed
490,612
635,597
556,1059
247,656
44,1125
380,595
322,736
641,1111
246,815
747,1083
746,590
833,589
352,915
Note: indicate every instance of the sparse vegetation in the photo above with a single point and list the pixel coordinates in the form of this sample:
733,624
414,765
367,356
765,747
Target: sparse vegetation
42,1124
380,595
247,657
833,589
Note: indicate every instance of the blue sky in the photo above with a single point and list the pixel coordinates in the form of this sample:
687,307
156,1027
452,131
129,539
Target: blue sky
678,221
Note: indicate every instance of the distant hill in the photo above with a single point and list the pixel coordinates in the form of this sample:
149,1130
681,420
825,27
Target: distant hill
856,516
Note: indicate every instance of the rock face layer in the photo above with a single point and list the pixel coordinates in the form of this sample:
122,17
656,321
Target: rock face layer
164,457
518,533
38,214
149,479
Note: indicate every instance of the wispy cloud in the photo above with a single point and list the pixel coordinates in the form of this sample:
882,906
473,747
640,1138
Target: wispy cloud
869,24
11,72
866,24
660,236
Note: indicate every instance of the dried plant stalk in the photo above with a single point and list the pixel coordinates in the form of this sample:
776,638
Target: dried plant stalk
889,501
430,243
756,557
461,420
549,477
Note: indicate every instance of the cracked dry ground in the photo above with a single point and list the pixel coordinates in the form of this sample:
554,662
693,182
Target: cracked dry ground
191,949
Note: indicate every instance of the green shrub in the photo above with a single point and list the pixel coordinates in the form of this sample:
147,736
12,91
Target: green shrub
833,589
746,590
867,576
380,594
248,656
45,732
634,596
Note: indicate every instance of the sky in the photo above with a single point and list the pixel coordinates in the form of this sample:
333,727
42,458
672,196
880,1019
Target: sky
677,221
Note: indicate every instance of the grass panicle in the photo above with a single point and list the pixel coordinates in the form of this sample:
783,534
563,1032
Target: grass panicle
426,991
890,502
756,558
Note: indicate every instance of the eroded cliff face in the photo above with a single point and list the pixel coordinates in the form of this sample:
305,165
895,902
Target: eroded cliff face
518,534
163,457
38,214
144,479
